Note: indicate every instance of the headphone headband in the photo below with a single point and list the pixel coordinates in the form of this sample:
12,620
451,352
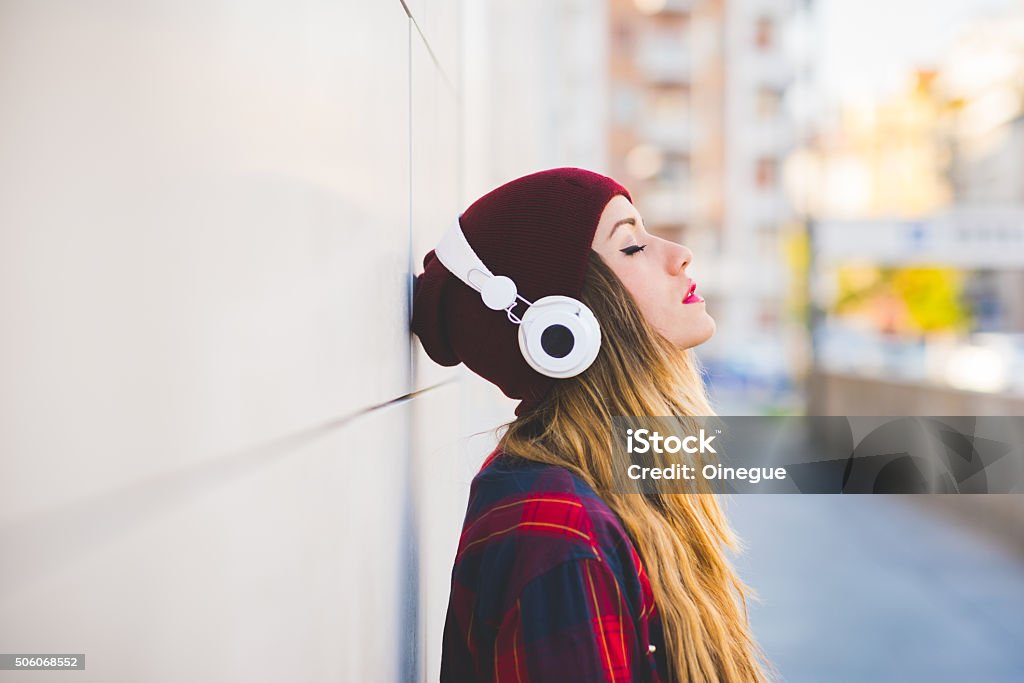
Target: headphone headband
455,253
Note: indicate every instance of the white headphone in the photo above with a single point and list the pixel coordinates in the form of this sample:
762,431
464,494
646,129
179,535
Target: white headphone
558,335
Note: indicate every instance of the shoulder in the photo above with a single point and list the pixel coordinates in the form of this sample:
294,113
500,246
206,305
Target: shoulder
526,518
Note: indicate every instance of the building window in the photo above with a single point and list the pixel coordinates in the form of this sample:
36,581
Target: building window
671,103
768,101
767,239
767,173
649,7
623,36
764,33
768,316
625,105
676,170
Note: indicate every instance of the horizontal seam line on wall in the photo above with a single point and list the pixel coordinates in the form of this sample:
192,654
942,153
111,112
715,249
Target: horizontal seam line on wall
98,517
345,419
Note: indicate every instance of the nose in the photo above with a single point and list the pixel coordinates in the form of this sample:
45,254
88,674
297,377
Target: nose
679,257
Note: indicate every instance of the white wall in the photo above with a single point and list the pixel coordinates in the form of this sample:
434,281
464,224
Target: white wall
537,88
221,455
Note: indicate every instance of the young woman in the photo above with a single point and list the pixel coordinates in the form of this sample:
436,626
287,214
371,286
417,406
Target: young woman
557,576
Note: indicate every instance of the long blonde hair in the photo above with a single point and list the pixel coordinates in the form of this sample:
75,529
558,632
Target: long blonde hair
680,538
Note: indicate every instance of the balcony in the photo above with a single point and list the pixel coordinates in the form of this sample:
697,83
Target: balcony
670,134
665,61
667,205
665,7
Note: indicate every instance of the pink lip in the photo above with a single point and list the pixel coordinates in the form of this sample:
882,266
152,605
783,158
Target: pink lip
691,295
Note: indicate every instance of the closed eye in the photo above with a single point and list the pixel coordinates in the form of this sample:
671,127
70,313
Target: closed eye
633,249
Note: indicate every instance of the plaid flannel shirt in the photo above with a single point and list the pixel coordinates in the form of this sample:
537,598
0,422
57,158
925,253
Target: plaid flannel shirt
547,585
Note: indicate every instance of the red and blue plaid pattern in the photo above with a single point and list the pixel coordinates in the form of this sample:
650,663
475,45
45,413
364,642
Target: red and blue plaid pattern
547,585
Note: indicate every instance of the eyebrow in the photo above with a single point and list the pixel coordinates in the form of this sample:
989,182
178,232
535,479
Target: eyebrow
615,227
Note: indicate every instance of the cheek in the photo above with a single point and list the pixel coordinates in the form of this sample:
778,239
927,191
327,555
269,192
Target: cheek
658,302
634,284
660,309
651,302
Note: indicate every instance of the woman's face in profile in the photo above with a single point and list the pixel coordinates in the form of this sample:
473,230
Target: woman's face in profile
653,270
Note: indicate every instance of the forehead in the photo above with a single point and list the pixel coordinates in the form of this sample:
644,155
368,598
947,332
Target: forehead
615,210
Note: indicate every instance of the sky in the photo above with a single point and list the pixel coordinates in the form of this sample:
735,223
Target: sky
868,46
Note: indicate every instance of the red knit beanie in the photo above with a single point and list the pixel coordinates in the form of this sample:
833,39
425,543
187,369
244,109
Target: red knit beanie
536,230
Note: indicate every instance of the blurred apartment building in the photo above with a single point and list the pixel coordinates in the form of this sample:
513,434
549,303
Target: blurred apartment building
927,184
885,159
983,77
699,131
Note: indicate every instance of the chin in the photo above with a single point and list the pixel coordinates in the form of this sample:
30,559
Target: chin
712,328
703,338
696,337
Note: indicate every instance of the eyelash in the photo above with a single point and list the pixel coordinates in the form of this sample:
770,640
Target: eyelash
633,249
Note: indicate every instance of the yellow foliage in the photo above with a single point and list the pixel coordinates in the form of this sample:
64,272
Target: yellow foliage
910,299
932,297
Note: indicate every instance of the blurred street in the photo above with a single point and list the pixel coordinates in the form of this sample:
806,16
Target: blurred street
875,588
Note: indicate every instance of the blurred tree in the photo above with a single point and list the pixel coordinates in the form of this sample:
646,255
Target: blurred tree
917,299
796,251
933,298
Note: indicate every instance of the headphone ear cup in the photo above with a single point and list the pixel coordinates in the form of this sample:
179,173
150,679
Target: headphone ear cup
559,337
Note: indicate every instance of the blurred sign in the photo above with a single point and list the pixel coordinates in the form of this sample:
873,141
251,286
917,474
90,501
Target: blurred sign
968,237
